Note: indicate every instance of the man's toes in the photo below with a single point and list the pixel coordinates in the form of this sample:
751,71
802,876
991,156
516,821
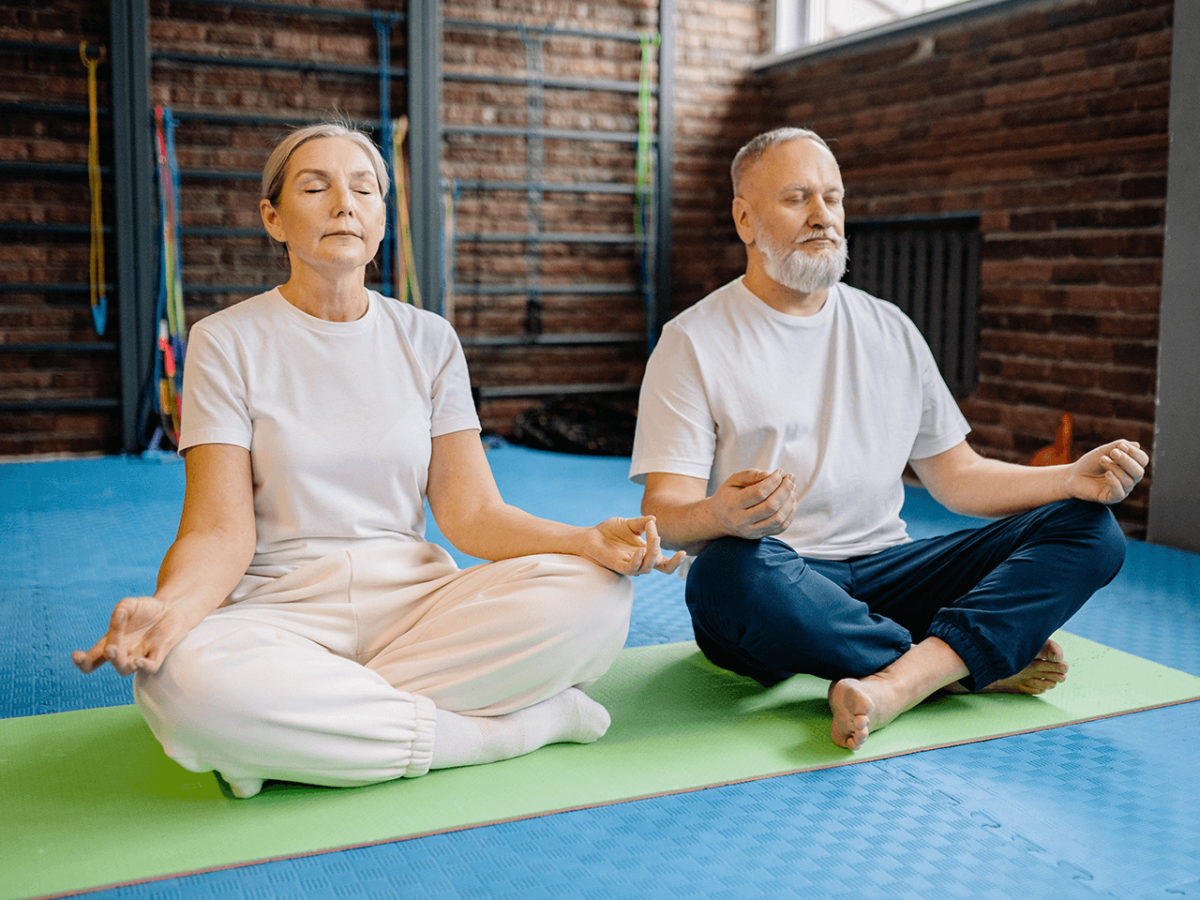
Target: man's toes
1053,651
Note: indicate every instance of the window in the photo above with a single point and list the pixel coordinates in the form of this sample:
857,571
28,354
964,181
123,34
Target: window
802,23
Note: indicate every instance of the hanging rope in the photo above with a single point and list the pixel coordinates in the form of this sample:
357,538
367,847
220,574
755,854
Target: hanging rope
168,362
96,266
446,246
643,217
383,34
406,267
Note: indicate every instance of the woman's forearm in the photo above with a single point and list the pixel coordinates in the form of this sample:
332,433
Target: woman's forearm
200,570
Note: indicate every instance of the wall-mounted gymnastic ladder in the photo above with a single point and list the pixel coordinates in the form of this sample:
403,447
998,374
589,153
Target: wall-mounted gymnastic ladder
648,233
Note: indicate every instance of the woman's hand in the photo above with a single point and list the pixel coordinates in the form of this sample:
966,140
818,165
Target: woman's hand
141,633
628,546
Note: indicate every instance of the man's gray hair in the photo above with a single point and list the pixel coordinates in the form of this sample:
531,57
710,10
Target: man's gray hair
276,168
754,150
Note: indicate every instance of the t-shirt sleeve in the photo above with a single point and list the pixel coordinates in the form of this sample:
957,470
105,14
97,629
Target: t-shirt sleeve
215,410
453,408
942,423
676,432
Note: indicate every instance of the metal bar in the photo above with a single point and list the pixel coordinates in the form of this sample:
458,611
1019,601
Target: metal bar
36,168
186,115
525,289
54,109
250,290
288,9
424,97
49,405
566,340
580,187
565,84
915,218
539,390
551,237
47,228
294,65
664,172
562,134
135,207
22,46
216,175
61,347
470,25
220,231
31,287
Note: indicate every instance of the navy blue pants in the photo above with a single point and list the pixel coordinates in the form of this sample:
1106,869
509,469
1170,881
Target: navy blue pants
994,594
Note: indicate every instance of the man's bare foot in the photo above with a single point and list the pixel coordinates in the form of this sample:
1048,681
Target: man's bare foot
1046,672
863,705
858,706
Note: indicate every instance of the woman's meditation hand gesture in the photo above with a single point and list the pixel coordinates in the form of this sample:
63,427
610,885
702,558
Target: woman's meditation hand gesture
140,634
628,546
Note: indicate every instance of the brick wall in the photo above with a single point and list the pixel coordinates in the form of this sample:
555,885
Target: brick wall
1050,119
37,191
715,41
717,109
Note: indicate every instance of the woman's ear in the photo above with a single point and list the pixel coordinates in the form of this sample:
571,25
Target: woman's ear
270,218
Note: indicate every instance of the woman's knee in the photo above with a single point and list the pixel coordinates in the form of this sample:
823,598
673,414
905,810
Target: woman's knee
587,598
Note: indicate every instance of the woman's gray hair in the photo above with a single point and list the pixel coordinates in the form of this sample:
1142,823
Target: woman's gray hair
754,150
275,170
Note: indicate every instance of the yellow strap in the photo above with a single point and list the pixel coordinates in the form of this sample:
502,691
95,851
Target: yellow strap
404,254
96,268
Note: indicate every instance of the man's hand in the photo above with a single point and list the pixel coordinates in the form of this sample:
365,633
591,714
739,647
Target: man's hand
141,633
1108,473
754,504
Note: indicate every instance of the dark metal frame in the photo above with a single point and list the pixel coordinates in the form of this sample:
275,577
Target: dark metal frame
136,210
133,176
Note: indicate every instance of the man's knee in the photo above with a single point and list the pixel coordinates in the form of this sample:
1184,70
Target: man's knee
1096,537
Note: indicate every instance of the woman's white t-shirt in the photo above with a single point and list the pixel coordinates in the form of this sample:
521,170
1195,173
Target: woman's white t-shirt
338,418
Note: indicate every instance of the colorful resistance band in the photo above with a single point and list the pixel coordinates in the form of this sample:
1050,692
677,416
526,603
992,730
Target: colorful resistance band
407,289
99,294
446,246
643,217
172,343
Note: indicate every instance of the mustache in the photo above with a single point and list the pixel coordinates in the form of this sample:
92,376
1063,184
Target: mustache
821,236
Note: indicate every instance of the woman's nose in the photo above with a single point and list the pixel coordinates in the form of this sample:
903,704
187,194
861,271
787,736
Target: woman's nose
343,199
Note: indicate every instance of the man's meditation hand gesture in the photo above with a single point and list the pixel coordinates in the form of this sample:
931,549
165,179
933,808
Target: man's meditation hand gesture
755,504
1108,473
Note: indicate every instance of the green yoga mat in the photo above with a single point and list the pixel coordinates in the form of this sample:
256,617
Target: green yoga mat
90,800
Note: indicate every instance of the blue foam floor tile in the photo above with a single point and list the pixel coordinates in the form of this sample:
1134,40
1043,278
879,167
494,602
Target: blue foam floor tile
1107,809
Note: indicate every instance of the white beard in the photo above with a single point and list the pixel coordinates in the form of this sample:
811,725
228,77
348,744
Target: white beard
800,271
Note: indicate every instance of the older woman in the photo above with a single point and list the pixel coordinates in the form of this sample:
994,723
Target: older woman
302,628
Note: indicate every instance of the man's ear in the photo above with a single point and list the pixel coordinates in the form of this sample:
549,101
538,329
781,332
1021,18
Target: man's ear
270,218
743,220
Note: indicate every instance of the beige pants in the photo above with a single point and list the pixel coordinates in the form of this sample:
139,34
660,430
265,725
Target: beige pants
331,674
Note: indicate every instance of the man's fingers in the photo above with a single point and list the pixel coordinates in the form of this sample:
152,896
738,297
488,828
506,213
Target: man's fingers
747,477
753,493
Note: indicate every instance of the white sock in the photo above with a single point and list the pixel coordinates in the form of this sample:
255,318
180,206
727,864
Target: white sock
569,717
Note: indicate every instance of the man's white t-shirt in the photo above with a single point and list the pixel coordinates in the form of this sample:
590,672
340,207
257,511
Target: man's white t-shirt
841,399
338,418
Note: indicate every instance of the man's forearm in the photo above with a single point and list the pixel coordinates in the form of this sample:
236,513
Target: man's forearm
993,489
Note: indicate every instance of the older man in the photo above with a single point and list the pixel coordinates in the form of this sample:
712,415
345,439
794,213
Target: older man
775,422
